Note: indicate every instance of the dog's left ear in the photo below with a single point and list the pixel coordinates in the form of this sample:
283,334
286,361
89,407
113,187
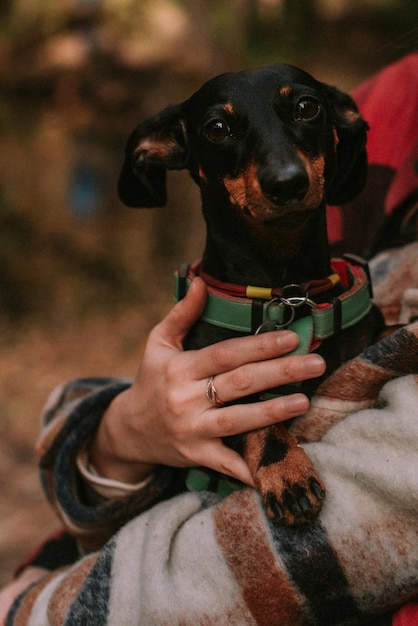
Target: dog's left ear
155,146
351,128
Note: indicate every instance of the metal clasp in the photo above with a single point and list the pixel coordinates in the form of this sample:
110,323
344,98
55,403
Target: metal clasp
291,302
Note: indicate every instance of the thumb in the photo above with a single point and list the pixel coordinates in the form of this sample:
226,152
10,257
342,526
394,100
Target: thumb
184,314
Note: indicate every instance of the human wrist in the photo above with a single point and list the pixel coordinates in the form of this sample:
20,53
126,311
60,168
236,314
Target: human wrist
108,488
104,453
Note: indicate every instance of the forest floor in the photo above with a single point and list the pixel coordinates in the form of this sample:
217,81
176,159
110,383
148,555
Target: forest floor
32,363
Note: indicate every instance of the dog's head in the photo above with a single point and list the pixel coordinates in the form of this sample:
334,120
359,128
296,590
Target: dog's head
272,141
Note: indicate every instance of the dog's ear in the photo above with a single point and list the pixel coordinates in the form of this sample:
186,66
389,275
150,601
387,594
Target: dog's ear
155,146
351,171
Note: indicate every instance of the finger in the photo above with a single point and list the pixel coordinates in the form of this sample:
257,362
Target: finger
226,461
175,326
241,418
232,353
257,377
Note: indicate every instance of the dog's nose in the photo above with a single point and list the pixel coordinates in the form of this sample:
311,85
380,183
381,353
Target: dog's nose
285,186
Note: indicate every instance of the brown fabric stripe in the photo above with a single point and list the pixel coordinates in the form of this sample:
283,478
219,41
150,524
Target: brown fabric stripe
49,433
363,377
69,588
242,537
24,610
356,379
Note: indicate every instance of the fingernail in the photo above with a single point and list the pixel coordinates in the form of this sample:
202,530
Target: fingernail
314,364
295,404
287,340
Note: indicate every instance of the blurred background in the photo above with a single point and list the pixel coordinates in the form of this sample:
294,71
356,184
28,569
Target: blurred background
82,278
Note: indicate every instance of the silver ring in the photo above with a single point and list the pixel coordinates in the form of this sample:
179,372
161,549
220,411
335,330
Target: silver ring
210,393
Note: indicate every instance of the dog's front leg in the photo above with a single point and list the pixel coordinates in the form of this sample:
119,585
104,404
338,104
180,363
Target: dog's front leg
291,490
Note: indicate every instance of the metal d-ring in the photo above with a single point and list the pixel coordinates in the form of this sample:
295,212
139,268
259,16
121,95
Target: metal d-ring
270,324
295,302
292,303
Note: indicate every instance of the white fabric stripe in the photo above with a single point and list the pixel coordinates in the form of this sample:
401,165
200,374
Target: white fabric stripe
39,613
168,569
369,463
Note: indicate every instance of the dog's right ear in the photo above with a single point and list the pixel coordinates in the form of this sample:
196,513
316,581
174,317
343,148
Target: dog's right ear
155,146
350,176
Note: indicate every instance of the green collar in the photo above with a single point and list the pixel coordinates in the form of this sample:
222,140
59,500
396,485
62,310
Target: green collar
325,320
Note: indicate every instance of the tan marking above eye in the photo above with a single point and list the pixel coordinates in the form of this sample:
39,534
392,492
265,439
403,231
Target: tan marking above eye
286,91
228,108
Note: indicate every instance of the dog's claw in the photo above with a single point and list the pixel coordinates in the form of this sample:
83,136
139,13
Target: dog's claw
295,508
296,504
318,491
304,504
278,510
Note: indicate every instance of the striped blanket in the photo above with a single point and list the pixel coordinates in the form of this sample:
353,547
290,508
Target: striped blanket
196,559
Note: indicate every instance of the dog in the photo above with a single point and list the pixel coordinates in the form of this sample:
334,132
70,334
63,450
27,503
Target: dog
268,148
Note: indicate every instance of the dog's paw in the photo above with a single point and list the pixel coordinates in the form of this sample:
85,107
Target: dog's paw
291,498
289,485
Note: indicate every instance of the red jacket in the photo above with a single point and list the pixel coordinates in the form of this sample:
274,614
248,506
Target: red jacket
389,103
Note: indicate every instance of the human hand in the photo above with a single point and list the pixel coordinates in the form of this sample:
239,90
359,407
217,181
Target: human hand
165,417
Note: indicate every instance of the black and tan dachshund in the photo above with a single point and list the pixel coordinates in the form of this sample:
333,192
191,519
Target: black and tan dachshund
268,148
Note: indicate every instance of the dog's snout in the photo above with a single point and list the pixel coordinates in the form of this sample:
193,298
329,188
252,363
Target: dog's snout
285,185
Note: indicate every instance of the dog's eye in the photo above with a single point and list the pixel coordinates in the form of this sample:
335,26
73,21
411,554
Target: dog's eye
217,130
307,109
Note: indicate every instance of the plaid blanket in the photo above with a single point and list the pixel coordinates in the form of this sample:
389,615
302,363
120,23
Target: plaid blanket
199,559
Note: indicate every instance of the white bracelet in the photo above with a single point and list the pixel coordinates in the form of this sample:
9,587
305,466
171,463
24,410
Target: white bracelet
106,487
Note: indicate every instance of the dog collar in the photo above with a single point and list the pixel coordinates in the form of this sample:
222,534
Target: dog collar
268,309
